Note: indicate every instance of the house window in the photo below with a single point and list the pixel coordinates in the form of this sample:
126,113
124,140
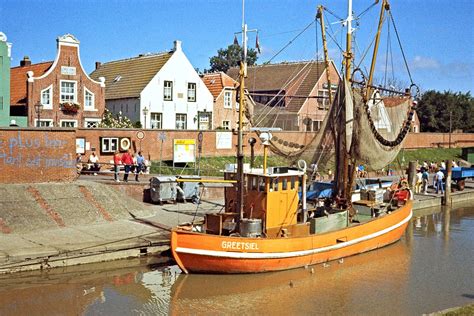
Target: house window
204,120
91,123
46,99
168,91
181,121
44,123
108,144
316,126
323,98
68,91
1,102
156,120
191,92
228,99
68,123
88,99
225,124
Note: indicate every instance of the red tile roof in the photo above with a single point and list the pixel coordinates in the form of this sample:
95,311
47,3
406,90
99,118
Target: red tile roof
216,82
18,81
393,101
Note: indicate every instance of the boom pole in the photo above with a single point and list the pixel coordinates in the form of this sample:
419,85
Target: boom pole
325,48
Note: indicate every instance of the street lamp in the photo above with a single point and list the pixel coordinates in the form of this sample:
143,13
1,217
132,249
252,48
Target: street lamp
38,108
145,112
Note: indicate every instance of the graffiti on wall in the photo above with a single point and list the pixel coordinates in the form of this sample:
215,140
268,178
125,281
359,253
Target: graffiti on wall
23,150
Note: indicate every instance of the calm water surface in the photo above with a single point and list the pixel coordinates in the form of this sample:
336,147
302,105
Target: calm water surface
430,269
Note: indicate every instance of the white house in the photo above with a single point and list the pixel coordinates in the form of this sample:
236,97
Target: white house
162,91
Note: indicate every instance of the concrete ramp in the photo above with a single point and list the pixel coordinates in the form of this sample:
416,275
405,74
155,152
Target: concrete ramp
26,208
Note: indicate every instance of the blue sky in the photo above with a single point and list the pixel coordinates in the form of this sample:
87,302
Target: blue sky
437,35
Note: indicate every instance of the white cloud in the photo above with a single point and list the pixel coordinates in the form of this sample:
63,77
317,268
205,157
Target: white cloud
420,62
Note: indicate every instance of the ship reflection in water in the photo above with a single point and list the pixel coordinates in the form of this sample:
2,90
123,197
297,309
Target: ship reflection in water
430,269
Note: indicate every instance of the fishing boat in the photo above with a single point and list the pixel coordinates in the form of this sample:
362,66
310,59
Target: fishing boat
267,227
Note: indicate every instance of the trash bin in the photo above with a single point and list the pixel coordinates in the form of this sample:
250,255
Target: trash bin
190,190
163,189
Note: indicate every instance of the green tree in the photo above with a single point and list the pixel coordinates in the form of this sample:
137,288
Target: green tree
435,109
230,57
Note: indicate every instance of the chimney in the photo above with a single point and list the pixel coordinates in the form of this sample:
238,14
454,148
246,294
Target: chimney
25,62
97,64
177,46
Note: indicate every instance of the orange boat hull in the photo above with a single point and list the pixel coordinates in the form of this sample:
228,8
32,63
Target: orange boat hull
205,253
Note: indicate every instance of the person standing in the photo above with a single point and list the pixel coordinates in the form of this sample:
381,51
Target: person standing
127,160
419,181
424,179
140,164
439,181
117,163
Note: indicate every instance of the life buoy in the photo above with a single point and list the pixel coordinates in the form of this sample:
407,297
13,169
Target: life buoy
124,144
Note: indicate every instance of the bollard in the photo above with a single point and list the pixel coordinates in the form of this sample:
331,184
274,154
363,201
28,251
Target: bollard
412,174
447,189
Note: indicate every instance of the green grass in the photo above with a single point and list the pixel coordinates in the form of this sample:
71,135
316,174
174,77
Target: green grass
429,154
212,166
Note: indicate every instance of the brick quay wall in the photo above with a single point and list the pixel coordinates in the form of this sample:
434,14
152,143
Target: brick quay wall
32,155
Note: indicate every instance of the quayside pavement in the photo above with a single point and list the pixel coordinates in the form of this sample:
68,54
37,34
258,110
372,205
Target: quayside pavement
49,225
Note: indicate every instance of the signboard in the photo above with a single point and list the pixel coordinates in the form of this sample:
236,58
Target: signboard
66,70
184,150
223,140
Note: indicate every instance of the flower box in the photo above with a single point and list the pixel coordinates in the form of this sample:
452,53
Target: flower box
70,107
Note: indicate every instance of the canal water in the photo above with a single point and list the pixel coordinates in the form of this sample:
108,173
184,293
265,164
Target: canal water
430,269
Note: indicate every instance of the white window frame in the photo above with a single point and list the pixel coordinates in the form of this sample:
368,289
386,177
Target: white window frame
61,92
184,122
68,121
48,106
112,144
91,120
49,121
226,124
192,92
168,91
153,121
89,108
227,99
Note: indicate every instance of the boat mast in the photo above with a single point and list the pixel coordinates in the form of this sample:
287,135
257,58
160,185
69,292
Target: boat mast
342,159
385,7
325,48
240,152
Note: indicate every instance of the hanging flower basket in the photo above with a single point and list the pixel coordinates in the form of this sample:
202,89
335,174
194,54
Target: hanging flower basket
70,107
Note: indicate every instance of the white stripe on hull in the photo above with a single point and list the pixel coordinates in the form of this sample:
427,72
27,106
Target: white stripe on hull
278,255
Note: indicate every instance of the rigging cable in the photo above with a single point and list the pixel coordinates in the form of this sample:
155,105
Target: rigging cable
290,42
400,44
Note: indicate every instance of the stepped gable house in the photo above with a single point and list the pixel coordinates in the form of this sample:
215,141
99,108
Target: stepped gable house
226,109
284,93
57,93
161,91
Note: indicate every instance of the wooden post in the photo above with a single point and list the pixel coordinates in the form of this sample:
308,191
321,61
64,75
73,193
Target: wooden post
412,174
447,189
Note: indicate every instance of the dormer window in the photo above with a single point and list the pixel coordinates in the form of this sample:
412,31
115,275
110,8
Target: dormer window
47,97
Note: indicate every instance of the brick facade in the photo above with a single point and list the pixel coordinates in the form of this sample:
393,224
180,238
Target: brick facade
66,68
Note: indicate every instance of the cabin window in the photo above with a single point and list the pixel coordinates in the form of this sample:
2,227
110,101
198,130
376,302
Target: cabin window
261,184
284,184
275,184
292,184
254,183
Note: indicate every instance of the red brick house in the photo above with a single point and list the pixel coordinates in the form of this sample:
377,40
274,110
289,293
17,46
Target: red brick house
225,109
286,93
57,93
